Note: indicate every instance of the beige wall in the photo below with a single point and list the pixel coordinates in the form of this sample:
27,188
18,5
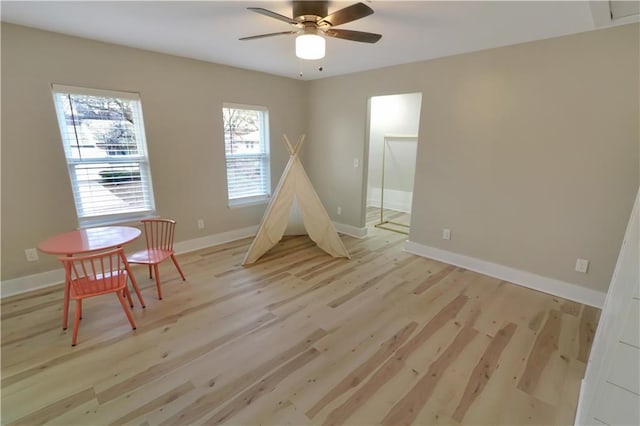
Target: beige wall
528,153
182,101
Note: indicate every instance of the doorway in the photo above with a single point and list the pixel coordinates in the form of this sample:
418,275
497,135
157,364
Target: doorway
393,140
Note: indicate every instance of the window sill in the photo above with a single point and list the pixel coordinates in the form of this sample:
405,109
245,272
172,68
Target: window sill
248,202
119,220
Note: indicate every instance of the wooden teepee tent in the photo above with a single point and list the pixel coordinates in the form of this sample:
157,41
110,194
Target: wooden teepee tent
295,184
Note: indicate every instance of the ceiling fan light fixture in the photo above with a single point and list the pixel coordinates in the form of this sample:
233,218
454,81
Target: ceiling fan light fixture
310,46
311,24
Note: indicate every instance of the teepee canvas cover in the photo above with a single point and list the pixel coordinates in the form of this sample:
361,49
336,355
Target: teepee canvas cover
295,184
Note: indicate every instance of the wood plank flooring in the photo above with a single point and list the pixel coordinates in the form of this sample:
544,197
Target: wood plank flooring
301,338
390,220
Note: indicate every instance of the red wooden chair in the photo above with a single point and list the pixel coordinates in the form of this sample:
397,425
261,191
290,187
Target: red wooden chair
95,275
159,237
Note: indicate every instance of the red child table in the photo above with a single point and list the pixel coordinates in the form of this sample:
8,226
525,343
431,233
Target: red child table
90,240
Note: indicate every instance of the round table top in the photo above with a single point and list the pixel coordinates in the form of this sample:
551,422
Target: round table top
89,240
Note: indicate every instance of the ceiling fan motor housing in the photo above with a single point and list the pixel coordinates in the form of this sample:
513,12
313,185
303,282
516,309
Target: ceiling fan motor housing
310,10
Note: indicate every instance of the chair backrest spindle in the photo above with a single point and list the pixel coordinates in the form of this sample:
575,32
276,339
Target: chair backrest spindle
93,273
159,233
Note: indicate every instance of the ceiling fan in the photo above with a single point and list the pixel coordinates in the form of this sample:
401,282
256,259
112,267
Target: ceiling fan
312,21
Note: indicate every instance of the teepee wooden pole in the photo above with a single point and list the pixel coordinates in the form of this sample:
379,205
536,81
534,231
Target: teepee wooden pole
299,144
289,146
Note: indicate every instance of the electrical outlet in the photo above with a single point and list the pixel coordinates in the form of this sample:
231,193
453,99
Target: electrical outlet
356,163
446,234
582,265
31,254
339,210
200,224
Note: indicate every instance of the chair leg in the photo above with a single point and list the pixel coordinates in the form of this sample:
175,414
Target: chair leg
76,322
175,262
150,274
127,293
67,289
127,311
134,283
155,267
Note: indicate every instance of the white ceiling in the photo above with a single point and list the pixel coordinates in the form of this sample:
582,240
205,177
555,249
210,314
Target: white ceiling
412,30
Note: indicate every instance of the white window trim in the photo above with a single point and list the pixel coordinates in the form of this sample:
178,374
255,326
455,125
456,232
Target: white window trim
248,201
132,96
142,159
122,219
264,134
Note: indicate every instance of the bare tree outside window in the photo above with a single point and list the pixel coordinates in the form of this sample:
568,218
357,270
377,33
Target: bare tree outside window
111,121
239,127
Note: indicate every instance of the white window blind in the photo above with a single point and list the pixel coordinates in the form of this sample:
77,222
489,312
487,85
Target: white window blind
105,147
247,153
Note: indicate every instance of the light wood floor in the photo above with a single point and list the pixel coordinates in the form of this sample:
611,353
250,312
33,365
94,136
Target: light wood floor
301,338
390,219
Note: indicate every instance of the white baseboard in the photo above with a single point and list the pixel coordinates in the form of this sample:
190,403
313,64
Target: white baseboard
215,239
393,199
56,276
31,282
350,230
523,278
579,420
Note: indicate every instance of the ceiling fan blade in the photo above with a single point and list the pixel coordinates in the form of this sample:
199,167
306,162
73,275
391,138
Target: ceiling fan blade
274,15
354,35
348,14
267,35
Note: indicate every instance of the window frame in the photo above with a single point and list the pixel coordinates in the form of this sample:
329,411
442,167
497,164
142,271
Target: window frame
141,160
265,156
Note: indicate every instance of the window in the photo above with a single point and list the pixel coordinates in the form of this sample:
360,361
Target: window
246,143
106,151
